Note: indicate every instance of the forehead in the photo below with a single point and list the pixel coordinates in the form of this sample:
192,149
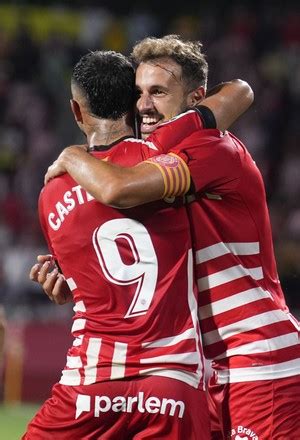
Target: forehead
164,71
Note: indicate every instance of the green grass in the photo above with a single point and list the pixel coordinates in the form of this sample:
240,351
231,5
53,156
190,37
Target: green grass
14,419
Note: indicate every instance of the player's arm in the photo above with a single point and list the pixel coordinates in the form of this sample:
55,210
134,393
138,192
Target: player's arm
159,177
127,187
227,101
222,106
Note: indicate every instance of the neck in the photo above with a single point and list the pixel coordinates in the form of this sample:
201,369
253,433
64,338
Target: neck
106,131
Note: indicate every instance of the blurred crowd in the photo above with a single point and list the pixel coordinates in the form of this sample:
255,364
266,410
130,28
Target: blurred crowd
258,42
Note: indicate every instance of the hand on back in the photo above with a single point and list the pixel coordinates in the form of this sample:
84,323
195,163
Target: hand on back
46,273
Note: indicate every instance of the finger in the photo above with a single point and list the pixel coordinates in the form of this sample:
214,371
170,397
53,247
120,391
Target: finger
49,283
59,292
56,169
51,172
44,270
47,177
34,271
42,258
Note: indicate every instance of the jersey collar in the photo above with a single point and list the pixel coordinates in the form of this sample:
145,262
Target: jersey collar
107,147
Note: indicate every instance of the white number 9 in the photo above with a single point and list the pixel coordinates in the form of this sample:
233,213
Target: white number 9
143,271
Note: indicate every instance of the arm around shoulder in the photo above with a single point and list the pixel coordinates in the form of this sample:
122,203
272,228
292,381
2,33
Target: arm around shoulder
228,101
111,184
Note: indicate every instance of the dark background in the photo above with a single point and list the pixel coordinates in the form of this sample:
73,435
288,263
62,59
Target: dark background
39,43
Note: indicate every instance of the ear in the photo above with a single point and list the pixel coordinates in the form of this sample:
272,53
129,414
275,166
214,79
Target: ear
75,107
195,97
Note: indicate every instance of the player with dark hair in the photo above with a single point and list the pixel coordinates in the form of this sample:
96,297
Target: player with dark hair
135,369
108,94
247,329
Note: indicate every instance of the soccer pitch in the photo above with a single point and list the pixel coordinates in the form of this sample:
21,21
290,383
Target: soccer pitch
14,419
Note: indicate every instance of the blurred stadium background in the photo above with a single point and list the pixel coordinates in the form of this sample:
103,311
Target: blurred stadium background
258,41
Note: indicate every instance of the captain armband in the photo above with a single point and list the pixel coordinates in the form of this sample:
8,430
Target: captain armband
175,172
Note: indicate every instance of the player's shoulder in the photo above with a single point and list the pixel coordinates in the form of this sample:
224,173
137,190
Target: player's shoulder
140,143
132,151
57,185
217,138
208,137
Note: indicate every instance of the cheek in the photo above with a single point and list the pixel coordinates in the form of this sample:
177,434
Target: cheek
168,108
174,109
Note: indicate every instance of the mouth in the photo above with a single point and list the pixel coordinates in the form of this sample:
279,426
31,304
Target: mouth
150,123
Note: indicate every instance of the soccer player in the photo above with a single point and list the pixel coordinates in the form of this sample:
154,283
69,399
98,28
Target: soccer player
247,329
135,369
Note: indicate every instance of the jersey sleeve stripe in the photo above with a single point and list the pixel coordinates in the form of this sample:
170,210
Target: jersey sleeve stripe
169,181
164,174
174,182
175,173
184,174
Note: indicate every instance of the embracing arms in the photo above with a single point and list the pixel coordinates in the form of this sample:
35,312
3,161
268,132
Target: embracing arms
126,187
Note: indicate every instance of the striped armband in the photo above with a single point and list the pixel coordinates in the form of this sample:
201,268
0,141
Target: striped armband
175,172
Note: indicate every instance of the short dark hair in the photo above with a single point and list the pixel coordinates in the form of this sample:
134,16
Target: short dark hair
107,80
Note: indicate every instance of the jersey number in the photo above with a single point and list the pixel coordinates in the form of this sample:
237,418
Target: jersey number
143,270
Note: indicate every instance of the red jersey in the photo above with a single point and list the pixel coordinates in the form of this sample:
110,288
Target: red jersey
246,326
131,275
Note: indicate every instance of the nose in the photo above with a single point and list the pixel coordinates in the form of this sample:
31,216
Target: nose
145,103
